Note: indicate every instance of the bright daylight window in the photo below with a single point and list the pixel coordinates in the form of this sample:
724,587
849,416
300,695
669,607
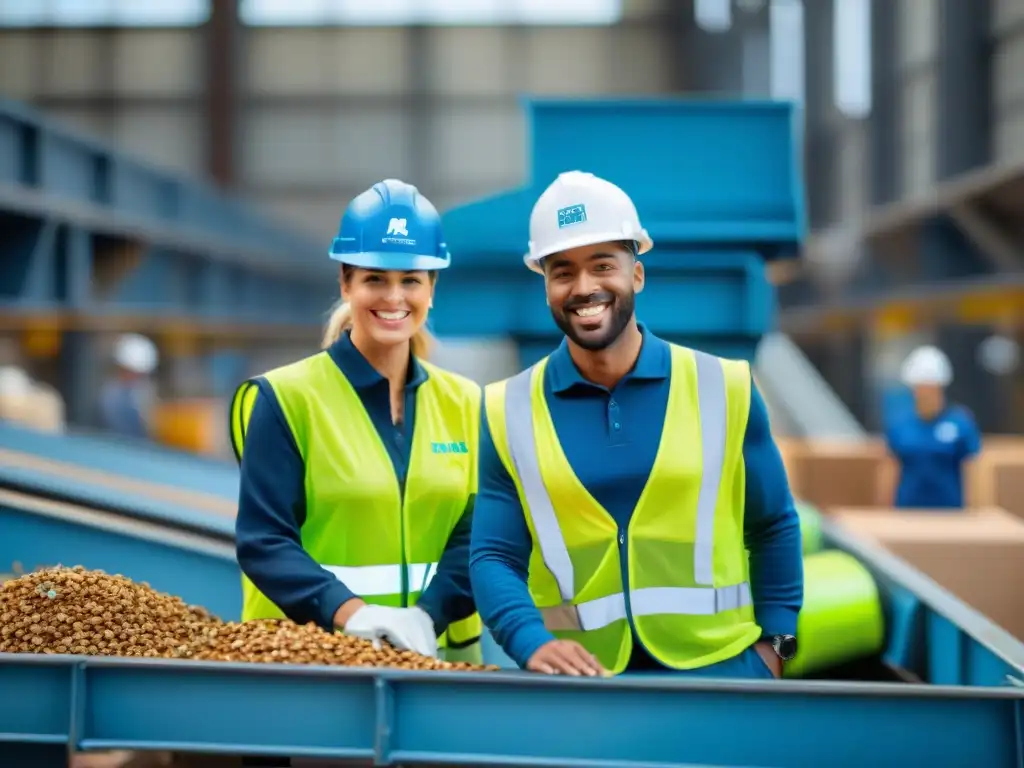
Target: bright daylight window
438,12
112,13
852,73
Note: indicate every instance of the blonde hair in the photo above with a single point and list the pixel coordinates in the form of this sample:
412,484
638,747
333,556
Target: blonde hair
340,320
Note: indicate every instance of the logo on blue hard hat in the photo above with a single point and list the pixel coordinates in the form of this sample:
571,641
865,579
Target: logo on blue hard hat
398,233
573,214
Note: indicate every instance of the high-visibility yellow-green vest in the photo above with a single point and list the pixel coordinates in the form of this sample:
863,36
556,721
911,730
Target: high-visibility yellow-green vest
382,543
680,570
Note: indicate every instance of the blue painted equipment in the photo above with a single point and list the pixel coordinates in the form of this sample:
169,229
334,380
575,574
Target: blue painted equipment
391,226
392,718
121,507
123,457
717,187
716,184
90,235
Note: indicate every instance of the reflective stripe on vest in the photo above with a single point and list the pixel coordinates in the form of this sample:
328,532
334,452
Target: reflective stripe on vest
381,580
686,601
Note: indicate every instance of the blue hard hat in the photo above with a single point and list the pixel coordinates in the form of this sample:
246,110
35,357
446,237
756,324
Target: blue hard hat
391,226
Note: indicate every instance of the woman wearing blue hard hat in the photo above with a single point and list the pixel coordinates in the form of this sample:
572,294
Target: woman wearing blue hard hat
358,472
931,440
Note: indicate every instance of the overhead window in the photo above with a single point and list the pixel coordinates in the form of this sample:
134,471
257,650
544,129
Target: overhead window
433,12
103,13
786,22
851,40
713,15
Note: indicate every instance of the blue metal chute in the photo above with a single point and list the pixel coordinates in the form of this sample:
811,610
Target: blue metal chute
392,717
123,507
721,174
123,457
96,239
717,184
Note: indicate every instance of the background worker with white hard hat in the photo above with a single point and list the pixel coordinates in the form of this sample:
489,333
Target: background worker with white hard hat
932,441
126,399
358,463
624,478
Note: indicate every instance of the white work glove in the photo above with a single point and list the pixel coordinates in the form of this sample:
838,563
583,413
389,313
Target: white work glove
408,629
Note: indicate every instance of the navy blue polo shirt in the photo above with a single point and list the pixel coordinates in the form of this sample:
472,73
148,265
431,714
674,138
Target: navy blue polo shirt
610,438
272,504
931,454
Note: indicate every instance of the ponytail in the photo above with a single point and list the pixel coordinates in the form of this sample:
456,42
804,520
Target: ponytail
422,344
340,320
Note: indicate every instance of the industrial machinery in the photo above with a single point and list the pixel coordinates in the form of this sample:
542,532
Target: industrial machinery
718,186
127,240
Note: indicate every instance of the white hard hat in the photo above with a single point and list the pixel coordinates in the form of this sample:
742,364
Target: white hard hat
136,353
927,365
582,209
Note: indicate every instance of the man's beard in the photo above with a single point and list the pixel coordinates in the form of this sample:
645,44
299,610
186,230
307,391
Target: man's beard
621,310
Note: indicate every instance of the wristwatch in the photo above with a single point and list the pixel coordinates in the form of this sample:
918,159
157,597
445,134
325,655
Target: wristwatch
784,646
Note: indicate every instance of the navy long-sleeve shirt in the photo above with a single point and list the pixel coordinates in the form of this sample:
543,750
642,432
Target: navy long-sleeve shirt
272,505
610,439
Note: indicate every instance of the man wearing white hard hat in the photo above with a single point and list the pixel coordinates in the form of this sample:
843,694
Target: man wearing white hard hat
126,399
931,442
623,479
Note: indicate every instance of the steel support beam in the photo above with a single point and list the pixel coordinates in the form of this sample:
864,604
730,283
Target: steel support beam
964,108
992,243
885,107
421,109
736,61
78,363
946,252
819,159
682,30
223,36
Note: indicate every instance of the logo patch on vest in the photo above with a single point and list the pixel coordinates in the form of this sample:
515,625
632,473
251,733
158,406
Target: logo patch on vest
459,447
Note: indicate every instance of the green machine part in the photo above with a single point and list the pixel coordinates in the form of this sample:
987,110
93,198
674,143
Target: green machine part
842,617
810,527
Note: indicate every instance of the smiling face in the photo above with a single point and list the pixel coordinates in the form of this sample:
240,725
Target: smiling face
591,291
388,307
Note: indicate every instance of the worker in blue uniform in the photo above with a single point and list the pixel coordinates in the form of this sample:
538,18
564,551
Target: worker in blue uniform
126,400
358,463
932,441
623,479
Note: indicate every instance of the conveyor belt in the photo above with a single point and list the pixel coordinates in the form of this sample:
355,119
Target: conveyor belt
38,530
391,718
179,540
931,634
140,460
502,718
169,505
82,509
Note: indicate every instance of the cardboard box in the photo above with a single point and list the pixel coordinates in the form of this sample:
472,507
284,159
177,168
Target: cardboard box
976,554
1008,482
840,473
996,476
861,473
